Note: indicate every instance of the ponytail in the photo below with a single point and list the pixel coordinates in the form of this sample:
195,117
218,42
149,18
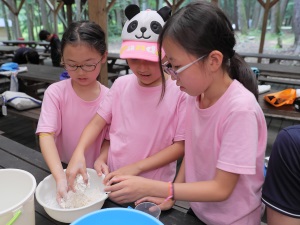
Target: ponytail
242,72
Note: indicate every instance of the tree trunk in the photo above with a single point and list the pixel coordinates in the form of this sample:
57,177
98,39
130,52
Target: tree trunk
256,18
6,21
296,26
78,10
242,17
15,22
283,5
275,19
29,20
44,15
276,23
236,19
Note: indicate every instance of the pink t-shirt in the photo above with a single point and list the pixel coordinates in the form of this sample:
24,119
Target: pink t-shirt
230,135
66,114
142,125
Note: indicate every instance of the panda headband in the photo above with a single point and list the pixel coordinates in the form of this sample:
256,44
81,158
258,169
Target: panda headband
140,33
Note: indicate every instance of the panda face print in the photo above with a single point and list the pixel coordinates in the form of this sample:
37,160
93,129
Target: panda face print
154,26
145,26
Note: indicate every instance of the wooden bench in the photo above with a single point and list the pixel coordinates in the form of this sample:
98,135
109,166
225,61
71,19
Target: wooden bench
275,73
271,57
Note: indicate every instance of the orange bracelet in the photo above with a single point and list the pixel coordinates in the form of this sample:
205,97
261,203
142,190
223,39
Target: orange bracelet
171,191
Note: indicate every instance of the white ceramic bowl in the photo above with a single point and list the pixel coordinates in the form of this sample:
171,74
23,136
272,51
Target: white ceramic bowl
46,190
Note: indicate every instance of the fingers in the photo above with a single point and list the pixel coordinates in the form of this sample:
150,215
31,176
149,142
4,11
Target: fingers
108,177
101,169
163,205
105,170
84,175
70,180
71,176
61,190
115,179
98,169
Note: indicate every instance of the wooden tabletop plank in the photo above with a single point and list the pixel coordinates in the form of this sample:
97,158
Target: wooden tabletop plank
41,73
285,112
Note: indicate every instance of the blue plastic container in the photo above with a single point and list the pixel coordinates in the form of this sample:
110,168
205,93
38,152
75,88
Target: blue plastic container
117,216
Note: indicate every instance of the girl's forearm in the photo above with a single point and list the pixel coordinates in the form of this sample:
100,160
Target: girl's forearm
162,158
90,133
104,151
51,156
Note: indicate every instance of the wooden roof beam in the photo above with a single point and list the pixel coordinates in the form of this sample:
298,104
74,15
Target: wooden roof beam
11,9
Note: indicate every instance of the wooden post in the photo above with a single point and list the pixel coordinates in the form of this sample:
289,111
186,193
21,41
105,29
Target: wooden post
98,14
267,6
174,6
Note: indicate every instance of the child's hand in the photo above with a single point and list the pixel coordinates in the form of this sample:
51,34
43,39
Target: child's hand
163,205
101,167
61,189
126,170
126,189
76,166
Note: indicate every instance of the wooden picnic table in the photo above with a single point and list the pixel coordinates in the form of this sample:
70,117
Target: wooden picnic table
113,66
15,155
271,57
285,112
31,44
38,77
41,73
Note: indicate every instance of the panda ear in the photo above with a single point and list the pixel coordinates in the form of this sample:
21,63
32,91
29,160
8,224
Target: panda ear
165,12
131,11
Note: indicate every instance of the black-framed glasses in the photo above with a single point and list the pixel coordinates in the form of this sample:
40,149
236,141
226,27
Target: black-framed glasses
167,67
85,67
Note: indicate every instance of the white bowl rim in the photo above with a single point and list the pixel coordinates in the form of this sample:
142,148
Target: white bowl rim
103,198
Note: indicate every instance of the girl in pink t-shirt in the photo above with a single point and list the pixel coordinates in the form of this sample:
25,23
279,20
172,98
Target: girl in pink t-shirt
70,104
146,130
222,171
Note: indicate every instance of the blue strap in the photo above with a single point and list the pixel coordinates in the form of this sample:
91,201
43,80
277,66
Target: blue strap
35,101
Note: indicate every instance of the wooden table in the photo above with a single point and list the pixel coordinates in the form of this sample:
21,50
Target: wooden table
15,155
38,77
271,57
113,66
41,73
285,112
46,45
31,44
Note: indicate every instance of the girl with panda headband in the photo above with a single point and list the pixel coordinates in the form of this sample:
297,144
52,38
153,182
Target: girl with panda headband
146,130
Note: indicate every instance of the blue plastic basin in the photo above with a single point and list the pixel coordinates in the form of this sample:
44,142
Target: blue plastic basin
117,216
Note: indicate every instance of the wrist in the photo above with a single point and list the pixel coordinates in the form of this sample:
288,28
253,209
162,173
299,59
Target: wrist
139,167
170,192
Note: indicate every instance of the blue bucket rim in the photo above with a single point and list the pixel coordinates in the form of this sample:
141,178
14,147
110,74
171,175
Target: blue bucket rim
117,209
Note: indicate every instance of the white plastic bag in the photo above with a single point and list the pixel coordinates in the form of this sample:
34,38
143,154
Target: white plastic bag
20,100
14,84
